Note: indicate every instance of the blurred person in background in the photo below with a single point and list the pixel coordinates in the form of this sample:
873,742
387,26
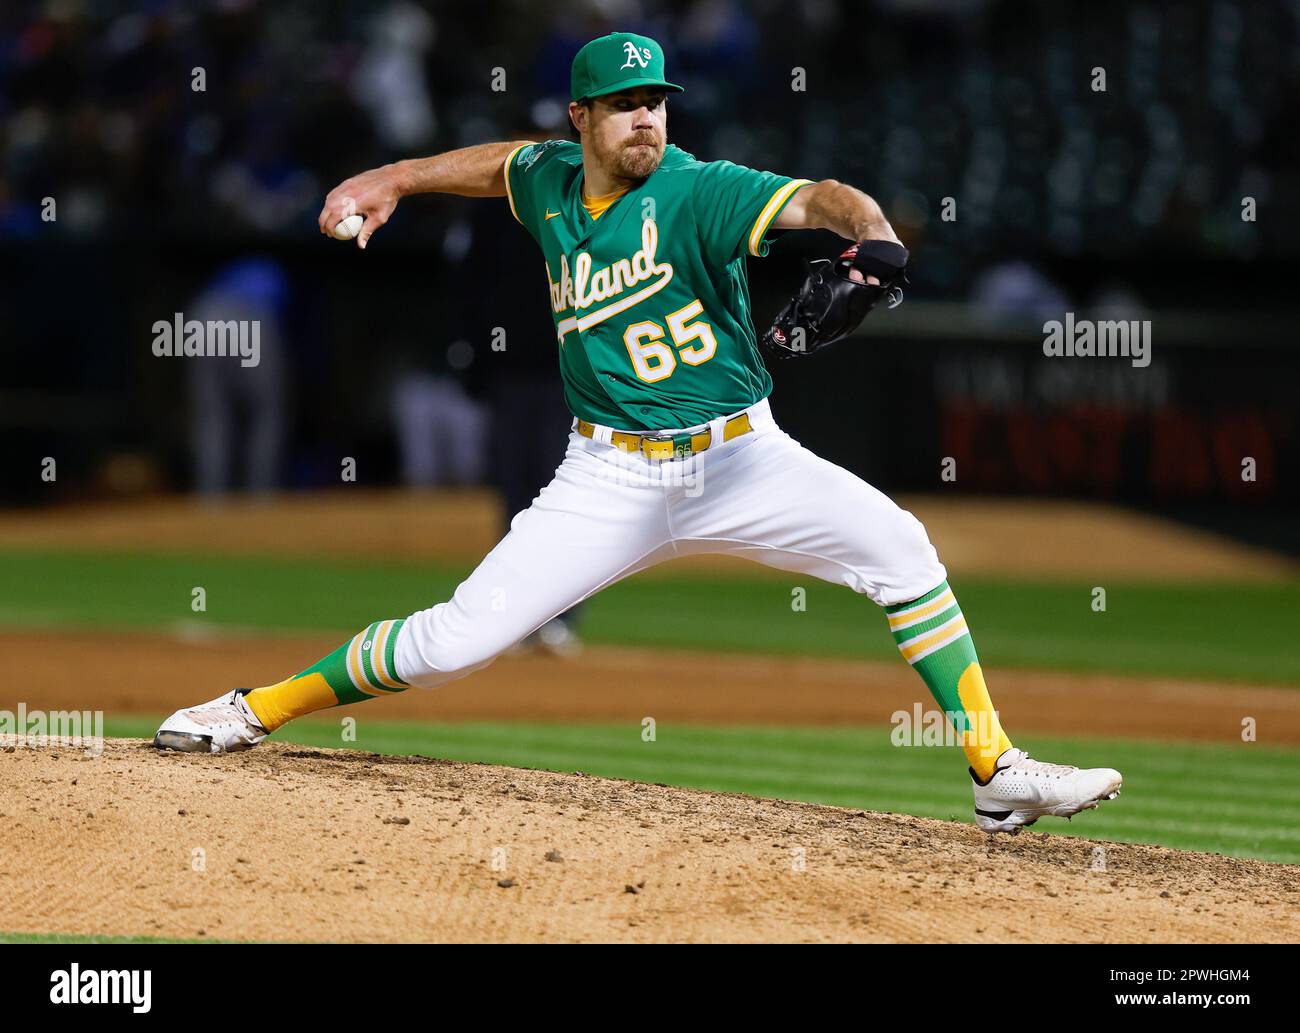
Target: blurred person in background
1017,289
262,185
237,412
441,430
390,81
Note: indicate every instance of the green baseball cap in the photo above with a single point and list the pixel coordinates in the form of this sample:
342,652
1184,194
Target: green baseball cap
616,62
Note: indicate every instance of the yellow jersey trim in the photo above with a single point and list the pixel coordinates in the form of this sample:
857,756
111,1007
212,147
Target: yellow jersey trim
770,211
510,194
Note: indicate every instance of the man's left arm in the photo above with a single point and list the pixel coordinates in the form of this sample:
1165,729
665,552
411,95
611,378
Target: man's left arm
838,207
837,294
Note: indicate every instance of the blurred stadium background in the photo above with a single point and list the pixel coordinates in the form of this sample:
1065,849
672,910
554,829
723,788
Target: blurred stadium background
1122,204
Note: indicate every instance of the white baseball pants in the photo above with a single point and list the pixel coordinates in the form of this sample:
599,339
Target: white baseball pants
608,514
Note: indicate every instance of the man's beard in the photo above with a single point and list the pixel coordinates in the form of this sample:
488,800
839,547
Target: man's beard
633,162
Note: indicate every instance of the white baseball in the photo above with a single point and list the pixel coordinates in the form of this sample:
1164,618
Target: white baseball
349,227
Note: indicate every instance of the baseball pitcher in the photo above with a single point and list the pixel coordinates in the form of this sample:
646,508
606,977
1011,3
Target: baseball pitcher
674,449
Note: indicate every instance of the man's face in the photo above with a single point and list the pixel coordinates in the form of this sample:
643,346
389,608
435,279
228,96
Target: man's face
625,131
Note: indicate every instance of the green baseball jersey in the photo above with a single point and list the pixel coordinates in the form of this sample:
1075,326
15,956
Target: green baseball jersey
651,300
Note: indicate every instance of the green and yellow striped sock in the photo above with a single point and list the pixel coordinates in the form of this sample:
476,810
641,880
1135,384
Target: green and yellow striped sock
932,636
361,668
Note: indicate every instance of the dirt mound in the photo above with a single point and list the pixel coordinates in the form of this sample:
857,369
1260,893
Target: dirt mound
288,843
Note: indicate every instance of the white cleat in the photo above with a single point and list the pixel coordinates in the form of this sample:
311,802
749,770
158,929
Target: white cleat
222,725
1022,790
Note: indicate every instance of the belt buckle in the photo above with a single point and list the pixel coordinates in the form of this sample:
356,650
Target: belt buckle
682,445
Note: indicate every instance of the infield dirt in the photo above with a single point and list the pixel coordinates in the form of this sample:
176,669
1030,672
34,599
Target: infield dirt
287,843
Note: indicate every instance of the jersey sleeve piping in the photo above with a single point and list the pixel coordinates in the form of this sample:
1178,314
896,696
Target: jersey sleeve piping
510,194
771,210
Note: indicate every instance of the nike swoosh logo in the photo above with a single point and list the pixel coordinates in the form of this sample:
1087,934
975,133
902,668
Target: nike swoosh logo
550,215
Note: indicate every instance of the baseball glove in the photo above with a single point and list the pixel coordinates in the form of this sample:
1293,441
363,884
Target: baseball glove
831,304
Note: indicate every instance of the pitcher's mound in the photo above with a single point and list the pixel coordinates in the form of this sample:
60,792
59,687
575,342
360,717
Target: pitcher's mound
291,843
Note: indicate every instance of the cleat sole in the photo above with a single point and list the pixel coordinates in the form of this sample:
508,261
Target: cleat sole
183,742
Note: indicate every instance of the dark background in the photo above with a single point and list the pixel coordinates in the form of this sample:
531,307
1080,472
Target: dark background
1125,203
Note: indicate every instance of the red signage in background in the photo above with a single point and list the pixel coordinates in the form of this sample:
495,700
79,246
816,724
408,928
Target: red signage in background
1166,453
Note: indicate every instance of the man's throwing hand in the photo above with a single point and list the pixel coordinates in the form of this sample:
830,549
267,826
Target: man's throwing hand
372,194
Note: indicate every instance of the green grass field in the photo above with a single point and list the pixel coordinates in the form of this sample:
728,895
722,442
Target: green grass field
1230,632
1240,800
1250,807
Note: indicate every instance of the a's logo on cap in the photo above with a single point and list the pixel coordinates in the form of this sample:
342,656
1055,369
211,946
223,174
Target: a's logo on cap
641,56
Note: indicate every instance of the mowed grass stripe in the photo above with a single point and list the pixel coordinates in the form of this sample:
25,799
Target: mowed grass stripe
916,781
1147,629
870,780
1202,825
1167,766
131,589
1190,813
701,756
888,768
1142,798
806,754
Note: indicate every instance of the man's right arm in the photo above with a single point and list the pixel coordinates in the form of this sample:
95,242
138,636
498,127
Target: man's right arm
477,171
